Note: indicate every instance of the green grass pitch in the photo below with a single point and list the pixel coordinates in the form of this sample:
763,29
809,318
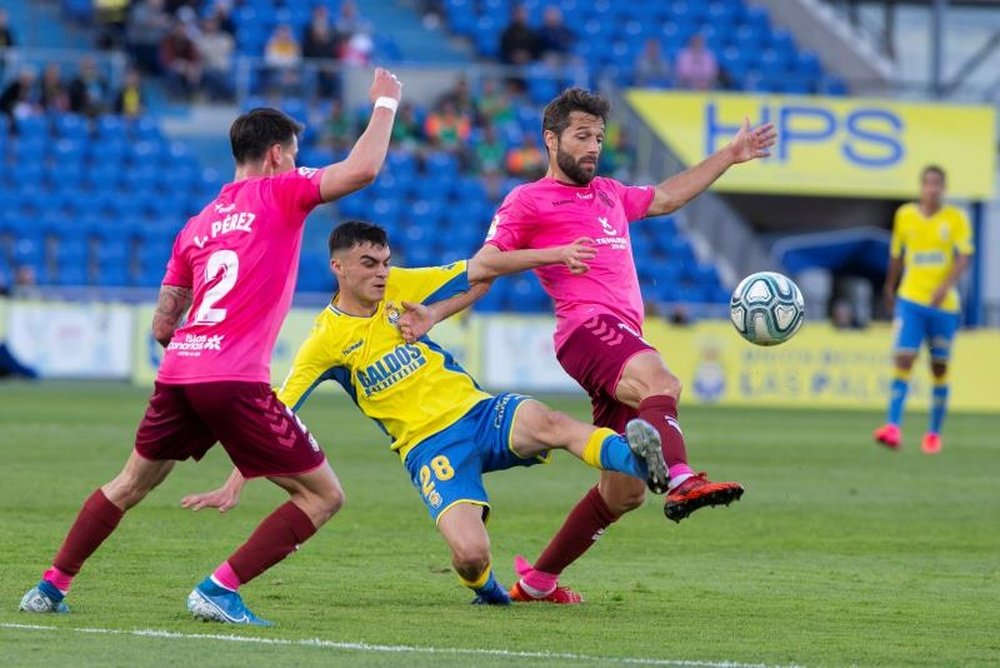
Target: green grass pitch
839,553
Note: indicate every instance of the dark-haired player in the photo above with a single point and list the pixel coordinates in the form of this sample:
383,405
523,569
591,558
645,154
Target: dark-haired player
235,265
933,241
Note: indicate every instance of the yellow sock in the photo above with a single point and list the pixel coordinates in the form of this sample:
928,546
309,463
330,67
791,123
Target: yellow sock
592,453
480,581
901,374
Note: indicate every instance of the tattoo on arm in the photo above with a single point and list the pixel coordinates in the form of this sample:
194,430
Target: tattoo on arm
173,303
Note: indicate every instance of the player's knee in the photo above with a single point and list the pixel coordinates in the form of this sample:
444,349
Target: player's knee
470,559
621,500
330,502
666,383
905,362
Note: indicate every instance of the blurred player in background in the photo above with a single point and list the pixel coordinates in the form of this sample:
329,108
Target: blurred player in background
931,247
446,431
599,315
235,265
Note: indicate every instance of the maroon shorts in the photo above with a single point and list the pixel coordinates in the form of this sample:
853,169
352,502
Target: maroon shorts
261,435
595,355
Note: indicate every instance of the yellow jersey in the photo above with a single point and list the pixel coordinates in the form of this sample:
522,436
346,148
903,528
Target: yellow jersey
928,247
412,391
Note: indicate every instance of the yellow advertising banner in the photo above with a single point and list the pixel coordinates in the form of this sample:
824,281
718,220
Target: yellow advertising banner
848,147
821,367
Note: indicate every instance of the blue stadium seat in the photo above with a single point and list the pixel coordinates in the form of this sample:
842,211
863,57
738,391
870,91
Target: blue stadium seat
72,126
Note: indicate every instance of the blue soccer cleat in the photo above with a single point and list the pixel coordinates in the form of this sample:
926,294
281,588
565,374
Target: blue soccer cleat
211,603
491,594
43,597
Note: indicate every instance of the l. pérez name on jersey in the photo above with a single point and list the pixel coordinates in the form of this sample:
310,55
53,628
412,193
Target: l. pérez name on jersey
392,368
237,221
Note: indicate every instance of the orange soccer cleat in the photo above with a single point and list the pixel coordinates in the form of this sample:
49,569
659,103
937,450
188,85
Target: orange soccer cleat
697,492
890,436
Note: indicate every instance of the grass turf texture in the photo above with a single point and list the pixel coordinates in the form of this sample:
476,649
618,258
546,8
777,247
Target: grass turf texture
840,552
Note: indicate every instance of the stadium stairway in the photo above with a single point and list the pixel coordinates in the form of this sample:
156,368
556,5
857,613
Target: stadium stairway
401,21
39,24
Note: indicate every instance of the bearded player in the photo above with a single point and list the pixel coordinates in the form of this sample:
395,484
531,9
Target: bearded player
599,315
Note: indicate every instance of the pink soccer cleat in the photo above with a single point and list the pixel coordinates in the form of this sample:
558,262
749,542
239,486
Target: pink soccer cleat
890,436
931,444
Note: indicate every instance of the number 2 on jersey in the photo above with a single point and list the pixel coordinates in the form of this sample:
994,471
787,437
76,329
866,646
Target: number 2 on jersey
228,263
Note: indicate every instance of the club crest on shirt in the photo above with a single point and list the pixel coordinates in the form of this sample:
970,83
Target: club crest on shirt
605,200
944,232
392,313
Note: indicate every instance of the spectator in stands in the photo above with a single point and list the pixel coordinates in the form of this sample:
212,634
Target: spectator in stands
7,39
554,38
216,48
519,43
357,52
495,104
88,92
461,97
526,161
54,96
490,152
652,69
19,98
283,56
339,128
696,65
321,43
350,22
447,129
222,11
130,100
406,131
181,62
147,26
111,16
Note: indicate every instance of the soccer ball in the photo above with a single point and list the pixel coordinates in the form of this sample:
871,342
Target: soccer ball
767,308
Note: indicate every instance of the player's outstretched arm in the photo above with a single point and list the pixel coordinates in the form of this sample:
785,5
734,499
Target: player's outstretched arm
361,167
224,498
171,306
748,144
489,263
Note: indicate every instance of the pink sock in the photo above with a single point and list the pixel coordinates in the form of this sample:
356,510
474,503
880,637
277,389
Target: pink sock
226,577
679,473
60,580
541,582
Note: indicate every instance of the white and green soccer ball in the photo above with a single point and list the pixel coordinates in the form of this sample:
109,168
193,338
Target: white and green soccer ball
767,308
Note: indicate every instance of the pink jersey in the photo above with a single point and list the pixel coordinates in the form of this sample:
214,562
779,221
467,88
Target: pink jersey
240,257
549,213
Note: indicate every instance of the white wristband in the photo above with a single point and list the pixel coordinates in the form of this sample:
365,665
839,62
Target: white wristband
387,102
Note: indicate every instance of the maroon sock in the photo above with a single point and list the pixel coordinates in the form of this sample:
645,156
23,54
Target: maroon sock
95,522
583,526
661,411
275,538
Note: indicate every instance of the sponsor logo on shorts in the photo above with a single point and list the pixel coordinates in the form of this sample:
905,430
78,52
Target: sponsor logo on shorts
434,498
194,344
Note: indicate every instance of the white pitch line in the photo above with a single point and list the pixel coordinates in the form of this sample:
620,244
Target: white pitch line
394,649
